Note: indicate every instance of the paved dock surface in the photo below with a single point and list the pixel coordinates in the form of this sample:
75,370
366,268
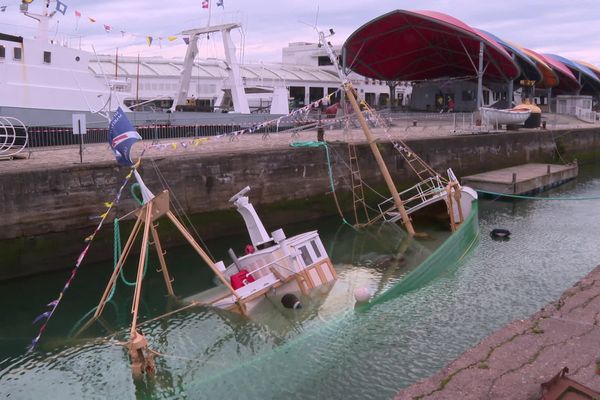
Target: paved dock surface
435,127
513,362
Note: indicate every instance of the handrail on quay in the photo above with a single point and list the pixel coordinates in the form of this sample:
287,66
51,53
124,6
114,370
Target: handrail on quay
14,137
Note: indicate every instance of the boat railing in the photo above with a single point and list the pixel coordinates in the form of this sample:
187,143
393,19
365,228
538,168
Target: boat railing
268,265
14,137
413,198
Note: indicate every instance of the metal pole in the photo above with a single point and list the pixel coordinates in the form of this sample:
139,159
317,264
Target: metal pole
80,141
509,93
480,77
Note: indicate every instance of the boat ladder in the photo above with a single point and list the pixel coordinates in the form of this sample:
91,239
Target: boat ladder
414,162
358,193
13,137
414,198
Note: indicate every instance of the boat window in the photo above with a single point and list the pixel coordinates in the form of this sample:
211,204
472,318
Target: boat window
17,53
47,57
305,256
2,52
315,248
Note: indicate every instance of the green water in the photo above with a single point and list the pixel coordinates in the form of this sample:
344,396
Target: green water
328,350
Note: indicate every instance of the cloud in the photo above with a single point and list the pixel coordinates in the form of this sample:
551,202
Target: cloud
566,28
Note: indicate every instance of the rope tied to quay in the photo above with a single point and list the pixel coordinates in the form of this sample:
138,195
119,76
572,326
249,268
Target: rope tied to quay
524,197
330,171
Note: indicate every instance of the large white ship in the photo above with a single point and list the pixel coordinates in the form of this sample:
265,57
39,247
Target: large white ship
42,82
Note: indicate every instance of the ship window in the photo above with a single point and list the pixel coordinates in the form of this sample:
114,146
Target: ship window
2,52
17,53
305,256
315,248
47,57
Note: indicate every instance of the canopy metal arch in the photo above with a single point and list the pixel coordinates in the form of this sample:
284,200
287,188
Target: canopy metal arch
436,49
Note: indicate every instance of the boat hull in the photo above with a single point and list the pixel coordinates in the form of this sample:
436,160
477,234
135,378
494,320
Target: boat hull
504,117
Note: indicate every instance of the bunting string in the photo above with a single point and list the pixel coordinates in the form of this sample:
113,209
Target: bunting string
62,7
47,315
295,115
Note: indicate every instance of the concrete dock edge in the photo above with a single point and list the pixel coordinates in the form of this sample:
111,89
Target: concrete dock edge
514,361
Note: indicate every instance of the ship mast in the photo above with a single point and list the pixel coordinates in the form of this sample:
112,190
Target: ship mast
43,18
349,91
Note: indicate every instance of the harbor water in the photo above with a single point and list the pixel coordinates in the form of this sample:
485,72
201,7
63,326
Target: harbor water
328,349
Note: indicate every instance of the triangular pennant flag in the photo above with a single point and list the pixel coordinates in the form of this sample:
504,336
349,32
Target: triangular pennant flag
108,204
41,317
174,146
3,8
92,20
220,3
77,14
149,40
205,3
186,40
107,28
53,303
171,38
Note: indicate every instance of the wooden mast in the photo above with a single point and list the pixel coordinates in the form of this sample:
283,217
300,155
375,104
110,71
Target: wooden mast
370,139
380,162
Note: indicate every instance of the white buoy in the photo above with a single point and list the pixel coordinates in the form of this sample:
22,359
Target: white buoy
362,294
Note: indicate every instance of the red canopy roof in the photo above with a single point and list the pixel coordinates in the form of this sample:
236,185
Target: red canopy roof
567,82
416,45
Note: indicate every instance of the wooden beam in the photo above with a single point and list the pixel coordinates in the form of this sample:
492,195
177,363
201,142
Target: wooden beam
119,266
206,258
380,162
161,259
140,273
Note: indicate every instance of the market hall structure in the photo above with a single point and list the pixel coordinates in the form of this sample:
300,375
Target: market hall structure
449,61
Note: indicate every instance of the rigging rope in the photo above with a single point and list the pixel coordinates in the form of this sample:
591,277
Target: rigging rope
331,181
519,196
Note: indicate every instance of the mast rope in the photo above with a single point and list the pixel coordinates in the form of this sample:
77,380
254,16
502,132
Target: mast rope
178,208
520,196
330,171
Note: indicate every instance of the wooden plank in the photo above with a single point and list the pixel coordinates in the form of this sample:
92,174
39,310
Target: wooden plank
522,178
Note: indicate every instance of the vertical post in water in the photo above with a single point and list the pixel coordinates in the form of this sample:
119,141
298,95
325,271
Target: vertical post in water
480,77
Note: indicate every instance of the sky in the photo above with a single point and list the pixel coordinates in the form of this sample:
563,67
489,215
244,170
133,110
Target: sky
567,28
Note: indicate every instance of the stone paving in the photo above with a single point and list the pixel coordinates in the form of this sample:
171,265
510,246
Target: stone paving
59,157
513,362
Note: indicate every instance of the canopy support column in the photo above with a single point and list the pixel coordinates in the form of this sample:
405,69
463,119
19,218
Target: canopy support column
480,77
509,93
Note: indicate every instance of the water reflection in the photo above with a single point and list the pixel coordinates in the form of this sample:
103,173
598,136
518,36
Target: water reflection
326,350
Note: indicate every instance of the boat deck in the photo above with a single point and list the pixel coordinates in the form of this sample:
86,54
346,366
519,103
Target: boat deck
521,179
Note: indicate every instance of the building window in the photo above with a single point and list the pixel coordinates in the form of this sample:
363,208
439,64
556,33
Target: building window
324,60
17,53
315,93
47,57
2,52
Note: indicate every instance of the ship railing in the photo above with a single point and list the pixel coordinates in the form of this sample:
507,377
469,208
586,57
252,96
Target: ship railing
414,198
14,137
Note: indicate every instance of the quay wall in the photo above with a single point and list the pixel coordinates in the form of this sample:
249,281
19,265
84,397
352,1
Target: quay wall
46,213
